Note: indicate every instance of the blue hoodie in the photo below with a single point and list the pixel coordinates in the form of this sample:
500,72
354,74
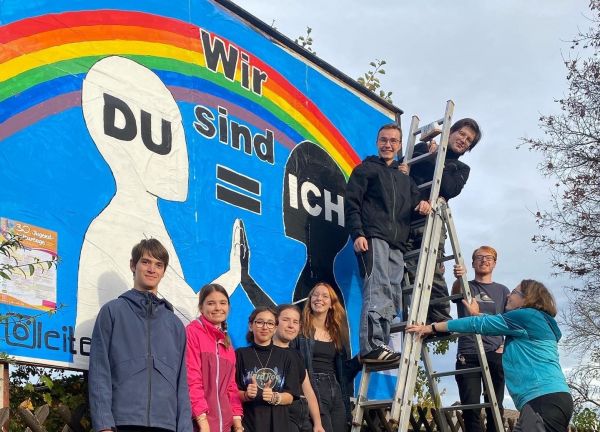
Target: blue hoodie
530,357
137,372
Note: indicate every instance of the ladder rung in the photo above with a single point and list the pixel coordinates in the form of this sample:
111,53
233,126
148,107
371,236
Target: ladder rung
446,258
419,130
398,327
445,299
456,372
420,158
425,185
417,223
466,407
378,367
440,337
379,403
411,254
415,253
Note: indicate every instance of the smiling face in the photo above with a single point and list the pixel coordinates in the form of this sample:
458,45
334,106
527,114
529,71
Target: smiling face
516,299
147,273
263,327
484,262
460,141
320,300
215,308
289,325
388,144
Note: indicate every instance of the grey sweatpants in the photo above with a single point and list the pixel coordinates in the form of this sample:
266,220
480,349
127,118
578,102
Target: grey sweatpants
381,268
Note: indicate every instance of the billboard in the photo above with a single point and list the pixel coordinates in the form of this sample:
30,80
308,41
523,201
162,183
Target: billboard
193,123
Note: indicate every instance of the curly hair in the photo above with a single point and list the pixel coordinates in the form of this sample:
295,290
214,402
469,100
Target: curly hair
537,296
335,323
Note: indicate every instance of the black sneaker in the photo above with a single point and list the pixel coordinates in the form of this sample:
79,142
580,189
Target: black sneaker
381,354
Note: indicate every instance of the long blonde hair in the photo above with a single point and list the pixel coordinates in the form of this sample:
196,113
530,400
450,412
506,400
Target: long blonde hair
335,322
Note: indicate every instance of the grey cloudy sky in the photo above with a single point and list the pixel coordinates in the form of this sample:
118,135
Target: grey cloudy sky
500,61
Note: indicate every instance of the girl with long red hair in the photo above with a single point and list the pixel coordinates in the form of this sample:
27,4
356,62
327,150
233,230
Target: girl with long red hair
323,345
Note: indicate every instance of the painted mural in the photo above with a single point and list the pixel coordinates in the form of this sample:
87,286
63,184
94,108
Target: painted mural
123,120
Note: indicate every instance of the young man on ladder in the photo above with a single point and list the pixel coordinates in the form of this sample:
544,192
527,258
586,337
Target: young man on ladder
380,200
464,136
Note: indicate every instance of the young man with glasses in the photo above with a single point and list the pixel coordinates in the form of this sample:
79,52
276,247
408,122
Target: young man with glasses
492,298
380,201
464,136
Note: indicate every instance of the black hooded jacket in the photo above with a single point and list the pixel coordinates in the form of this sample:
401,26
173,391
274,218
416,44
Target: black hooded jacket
380,201
454,177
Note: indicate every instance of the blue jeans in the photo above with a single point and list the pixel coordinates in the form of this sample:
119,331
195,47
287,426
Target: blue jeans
331,405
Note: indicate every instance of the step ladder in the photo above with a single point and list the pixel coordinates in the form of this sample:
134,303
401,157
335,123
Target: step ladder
414,348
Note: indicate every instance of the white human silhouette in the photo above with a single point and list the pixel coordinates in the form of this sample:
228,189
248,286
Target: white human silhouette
231,279
136,125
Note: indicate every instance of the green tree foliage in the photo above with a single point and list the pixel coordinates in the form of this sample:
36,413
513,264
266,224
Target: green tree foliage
586,420
570,228
32,387
306,41
370,79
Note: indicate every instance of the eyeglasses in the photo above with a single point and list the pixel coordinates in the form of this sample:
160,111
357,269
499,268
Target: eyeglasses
392,141
485,258
268,324
517,292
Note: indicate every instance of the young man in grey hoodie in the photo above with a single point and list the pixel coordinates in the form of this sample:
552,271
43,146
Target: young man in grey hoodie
137,375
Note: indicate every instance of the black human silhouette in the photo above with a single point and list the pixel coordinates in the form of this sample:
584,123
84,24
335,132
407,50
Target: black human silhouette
313,213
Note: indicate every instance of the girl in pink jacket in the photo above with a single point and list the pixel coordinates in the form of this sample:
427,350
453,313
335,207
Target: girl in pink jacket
210,361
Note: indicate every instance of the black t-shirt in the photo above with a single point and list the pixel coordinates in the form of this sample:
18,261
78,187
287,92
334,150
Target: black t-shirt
324,357
270,365
299,365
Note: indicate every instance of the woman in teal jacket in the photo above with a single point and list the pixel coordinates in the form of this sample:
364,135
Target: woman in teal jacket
534,377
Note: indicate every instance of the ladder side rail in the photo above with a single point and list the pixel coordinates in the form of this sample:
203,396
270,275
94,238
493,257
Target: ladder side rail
359,410
403,397
412,137
483,363
433,239
437,400
458,256
401,407
441,154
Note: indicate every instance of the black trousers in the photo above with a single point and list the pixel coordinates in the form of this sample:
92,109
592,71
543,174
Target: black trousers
470,388
548,413
300,416
331,404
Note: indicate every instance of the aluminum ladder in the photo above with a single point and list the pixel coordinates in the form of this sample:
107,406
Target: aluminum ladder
414,348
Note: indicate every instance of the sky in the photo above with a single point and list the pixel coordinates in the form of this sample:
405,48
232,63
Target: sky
501,62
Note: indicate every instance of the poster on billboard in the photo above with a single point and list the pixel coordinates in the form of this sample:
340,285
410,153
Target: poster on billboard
192,123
